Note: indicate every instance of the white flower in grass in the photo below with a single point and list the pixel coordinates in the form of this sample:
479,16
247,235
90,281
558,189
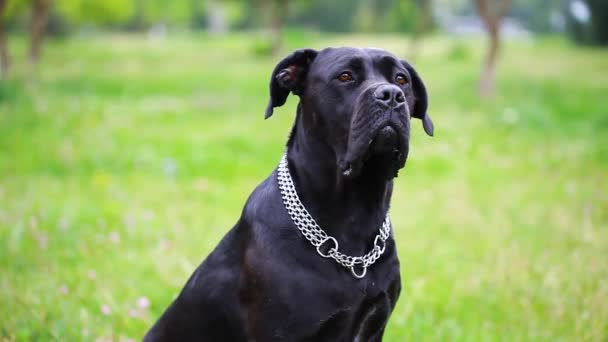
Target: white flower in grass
148,215
114,237
134,313
63,289
105,309
143,303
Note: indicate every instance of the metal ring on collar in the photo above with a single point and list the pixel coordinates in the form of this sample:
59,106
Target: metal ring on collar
362,274
383,244
329,251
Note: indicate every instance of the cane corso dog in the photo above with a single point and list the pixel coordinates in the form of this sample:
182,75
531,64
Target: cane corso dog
312,257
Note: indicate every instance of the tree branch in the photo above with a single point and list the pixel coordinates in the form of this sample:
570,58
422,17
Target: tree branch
504,8
4,56
483,10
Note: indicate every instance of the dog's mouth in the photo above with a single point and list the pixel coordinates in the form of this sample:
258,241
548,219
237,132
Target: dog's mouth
381,150
386,141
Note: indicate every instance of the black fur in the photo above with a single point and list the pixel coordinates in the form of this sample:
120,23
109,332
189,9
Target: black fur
265,281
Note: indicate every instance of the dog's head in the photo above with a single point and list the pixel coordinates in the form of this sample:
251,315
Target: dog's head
360,101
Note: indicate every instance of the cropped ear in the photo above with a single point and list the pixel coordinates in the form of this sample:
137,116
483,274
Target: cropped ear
421,100
288,76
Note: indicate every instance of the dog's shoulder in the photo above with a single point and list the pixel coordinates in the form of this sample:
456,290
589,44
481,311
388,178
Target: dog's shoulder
264,205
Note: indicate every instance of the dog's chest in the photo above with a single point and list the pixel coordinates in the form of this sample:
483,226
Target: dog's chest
358,315
339,307
349,310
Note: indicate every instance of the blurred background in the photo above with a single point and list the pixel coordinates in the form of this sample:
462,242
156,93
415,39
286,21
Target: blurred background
132,132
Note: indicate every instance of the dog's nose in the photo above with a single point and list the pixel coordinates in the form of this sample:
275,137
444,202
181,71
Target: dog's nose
389,94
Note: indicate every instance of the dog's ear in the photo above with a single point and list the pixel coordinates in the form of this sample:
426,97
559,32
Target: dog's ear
420,99
288,76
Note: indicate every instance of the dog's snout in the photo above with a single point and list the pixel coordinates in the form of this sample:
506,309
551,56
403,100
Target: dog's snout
389,94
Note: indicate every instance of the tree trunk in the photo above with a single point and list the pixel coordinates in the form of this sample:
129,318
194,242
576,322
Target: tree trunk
492,20
4,56
216,14
487,82
40,17
424,23
276,25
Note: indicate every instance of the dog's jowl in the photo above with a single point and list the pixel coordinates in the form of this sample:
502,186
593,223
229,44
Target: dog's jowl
312,257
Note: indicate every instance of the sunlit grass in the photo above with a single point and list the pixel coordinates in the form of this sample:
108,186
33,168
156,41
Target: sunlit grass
125,161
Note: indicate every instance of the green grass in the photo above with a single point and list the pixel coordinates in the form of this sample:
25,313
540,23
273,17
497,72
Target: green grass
125,161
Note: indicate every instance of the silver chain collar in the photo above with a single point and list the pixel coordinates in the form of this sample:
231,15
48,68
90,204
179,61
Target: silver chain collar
317,237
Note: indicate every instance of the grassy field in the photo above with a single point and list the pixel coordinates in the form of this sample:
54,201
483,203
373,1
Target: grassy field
125,161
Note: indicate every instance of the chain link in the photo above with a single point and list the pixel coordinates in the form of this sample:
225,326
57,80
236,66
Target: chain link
317,237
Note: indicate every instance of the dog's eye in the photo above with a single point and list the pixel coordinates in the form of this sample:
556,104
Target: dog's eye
345,77
401,79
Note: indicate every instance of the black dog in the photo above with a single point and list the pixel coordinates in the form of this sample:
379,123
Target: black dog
265,281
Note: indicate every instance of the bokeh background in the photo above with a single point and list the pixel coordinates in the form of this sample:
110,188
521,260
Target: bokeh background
132,132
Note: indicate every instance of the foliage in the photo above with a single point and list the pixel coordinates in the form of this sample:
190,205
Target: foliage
596,30
332,16
117,13
14,11
403,17
536,15
123,165
359,15
327,16
336,16
95,12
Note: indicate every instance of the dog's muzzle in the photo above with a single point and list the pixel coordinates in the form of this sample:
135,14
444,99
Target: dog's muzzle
379,134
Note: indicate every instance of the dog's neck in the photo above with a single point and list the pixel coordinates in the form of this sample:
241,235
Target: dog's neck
352,209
